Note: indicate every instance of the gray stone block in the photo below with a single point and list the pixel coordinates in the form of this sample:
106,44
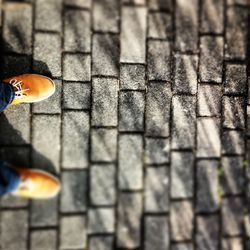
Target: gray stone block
131,111
182,246
233,142
232,243
248,121
74,191
234,2
10,201
43,239
247,224
79,3
160,4
130,162
101,243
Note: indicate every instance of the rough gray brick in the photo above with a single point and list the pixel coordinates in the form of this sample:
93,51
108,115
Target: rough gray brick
208,137
130,161
159,60
10,201
207,177
158,109
181,220
106,15
75,139
248,120
185,74
209,100
73,232
157,151
77,34
74,191
48,15
76,95
129,220
102,184
156,189
131,111
211,59
233,175
47,48
160,4
182,246
247,224
18,35
105,54
101,243
182,177
43,239
133,34
76,67
184,117
46,131
132,76
156,232
51,105
105,101
14,230
135,2
160,25
101,220
236,80
234,2
233,112
79,3
236,32
212,16
232,216
207,235
186,22
233,142
234,243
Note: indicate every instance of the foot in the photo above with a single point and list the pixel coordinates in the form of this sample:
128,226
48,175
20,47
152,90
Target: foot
31,88
36,184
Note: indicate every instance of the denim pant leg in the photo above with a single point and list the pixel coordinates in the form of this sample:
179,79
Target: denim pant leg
9,178
7,95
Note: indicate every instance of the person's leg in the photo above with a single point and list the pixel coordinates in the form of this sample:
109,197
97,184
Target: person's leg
7,95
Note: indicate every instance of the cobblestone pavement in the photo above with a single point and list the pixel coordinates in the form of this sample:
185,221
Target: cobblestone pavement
149,129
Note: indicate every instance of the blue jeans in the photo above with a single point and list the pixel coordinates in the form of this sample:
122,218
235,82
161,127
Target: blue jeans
7,95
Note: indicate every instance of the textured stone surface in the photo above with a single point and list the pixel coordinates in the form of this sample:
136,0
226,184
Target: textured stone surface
233,142
234,243
160,4
43,239
182,246
101,243
79,3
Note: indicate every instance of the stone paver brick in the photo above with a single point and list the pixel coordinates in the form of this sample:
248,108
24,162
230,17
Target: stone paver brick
181,220
236,80
52,105
75,139
156,232
234,243
185,80
103,144
157,151
105,55
183,122
48,15
129,220
101,220
209,100
18,35
207,177
233,112
101,243
233,175
186,23
236,32
160,25
10,201
159,60
208,137
132,76
156,189
160,4
46,131
212,16
158,99
76,95
73,232
14,230
106,15
131,111
74,191
232,216
76,67
182,174
43,239
211,59
234,2
130,161
105,101
182,246
207,235
247,224
77,37
79,3
133,34
248,121
102,184
233,142
135,2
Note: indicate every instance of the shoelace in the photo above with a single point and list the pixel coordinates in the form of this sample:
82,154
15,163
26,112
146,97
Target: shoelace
19,92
